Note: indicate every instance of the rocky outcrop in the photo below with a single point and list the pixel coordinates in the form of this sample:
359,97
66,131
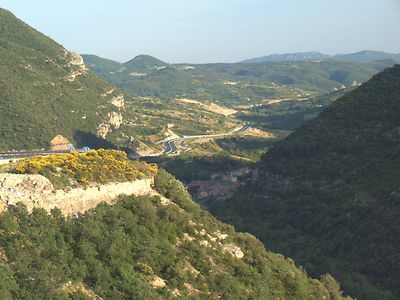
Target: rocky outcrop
102,130
114,119
76,59
158,282
118,101
80,68
36,191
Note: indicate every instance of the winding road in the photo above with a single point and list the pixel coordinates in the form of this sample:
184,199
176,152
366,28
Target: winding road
170,146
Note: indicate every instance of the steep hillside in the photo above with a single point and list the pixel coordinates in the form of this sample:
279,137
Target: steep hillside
328,195
157,245
46,90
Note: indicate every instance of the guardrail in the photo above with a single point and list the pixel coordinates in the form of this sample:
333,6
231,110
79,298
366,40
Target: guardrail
26,154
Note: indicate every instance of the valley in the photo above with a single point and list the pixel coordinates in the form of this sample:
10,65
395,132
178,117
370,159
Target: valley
141,179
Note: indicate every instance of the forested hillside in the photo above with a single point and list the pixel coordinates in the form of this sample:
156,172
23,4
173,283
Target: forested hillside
159,245
46,90
232,84
328,195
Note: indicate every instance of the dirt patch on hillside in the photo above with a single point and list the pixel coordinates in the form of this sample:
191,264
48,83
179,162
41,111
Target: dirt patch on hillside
215,108
259,133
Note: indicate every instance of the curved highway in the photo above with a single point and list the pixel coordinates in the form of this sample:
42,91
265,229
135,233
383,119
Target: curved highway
170,146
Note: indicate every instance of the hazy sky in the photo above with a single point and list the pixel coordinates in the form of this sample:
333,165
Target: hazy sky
213,30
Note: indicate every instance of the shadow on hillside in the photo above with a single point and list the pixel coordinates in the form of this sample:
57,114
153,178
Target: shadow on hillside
88,139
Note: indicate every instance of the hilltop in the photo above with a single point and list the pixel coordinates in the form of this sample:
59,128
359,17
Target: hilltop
152,242
328,194
144,63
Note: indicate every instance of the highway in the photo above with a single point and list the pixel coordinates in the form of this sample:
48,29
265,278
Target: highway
170,146
24,154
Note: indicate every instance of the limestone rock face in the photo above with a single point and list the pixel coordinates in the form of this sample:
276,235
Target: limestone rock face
76,59
115,119
118,101
36,191
102,130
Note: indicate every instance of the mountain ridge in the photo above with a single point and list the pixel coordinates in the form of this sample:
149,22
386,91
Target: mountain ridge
363,56
295,56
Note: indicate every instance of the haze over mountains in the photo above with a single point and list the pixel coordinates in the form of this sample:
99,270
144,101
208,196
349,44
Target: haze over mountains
325,191
364,56
228,83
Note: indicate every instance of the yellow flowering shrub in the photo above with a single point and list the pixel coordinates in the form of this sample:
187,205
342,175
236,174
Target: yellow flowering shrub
100,166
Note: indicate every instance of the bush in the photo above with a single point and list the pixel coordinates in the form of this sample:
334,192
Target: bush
100,166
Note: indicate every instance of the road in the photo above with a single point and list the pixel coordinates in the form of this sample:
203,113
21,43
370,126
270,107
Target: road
24,154
170,146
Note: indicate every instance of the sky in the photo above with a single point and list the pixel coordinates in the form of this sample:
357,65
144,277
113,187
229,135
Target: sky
200,31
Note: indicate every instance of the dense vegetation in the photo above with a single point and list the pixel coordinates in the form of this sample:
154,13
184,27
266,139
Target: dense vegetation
247,147
290,114
96,166
143,248
328,195
39,97
191,167
231,84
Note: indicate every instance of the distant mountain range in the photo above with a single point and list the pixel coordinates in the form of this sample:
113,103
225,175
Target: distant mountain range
227,83
364,56
297,56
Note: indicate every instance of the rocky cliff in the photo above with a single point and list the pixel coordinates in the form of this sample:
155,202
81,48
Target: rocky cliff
36,191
